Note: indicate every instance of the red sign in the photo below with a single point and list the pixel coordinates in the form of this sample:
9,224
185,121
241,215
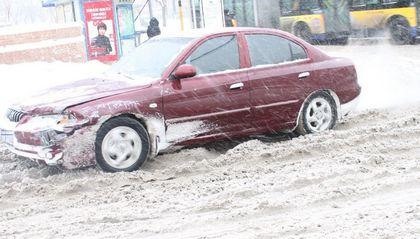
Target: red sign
100,30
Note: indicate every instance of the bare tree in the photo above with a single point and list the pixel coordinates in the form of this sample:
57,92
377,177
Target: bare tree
163,4
24,12
6,10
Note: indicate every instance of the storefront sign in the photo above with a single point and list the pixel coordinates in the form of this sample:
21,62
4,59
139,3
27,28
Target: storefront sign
100,30
125,21
54,3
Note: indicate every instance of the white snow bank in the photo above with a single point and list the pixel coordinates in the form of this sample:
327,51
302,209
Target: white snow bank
41,44
22,80
389,75
18,29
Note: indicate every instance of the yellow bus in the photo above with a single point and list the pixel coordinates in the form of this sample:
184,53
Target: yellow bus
316,20
398,18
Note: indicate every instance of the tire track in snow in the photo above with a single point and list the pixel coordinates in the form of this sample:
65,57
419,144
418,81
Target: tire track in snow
309,186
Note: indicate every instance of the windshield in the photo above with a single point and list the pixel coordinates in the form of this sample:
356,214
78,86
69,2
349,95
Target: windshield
150,59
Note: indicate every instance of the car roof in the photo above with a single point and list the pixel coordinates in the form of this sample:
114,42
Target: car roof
198,33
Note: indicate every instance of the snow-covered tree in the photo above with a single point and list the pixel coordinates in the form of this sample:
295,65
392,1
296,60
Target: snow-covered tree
17,12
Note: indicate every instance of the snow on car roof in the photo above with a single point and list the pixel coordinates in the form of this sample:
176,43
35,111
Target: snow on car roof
197,33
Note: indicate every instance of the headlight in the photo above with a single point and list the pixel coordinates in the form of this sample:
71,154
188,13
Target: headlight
61,123
68,123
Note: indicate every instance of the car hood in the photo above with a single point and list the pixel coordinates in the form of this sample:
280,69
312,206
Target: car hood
57,99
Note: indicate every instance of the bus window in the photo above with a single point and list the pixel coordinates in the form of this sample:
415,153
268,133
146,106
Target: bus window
372,4
289,7
389,1
307,7
401,3
357,3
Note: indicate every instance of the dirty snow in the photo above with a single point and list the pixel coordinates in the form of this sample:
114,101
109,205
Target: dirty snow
361,180
186,130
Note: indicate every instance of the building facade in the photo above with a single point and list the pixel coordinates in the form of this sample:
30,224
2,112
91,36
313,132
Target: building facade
253,13
178,15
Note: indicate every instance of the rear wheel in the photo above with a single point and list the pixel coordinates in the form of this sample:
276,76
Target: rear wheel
122,144
319,113
399,30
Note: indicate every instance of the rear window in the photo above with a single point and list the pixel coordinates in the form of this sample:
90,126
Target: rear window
269,49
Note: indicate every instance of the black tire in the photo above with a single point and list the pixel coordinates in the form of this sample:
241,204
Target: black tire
304,125
302,31
136,136
399,30
342,41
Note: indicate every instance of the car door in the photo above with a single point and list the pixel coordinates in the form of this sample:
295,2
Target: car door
214,102
278,74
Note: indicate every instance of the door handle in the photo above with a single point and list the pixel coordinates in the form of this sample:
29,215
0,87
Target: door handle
303,75
236,86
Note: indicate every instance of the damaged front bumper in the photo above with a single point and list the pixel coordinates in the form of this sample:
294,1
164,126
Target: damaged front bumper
50,154
70,149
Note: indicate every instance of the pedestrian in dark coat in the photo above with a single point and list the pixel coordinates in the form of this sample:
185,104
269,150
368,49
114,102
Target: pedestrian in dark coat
153,28
101,41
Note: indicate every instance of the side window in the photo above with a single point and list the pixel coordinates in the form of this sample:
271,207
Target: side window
298,52
270,49
215,55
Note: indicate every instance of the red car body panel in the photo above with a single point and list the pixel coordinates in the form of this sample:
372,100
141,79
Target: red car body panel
236,103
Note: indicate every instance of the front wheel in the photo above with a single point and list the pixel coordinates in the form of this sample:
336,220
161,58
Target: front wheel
122,144
319,113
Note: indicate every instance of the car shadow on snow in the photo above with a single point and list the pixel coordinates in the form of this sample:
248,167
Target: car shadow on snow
225,145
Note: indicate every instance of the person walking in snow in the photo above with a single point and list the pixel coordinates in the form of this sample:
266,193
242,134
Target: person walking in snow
230,20
153,28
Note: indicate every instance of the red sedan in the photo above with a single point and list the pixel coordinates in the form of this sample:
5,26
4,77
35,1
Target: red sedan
185,89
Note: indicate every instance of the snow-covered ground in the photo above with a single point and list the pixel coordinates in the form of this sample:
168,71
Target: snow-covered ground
361,180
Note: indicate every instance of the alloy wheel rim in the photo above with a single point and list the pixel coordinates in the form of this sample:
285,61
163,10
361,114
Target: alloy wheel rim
121,147
319,115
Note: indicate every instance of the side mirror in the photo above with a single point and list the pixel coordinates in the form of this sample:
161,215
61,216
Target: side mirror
185,71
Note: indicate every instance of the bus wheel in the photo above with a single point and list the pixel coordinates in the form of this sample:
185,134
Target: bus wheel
399,31
302,31
343,41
